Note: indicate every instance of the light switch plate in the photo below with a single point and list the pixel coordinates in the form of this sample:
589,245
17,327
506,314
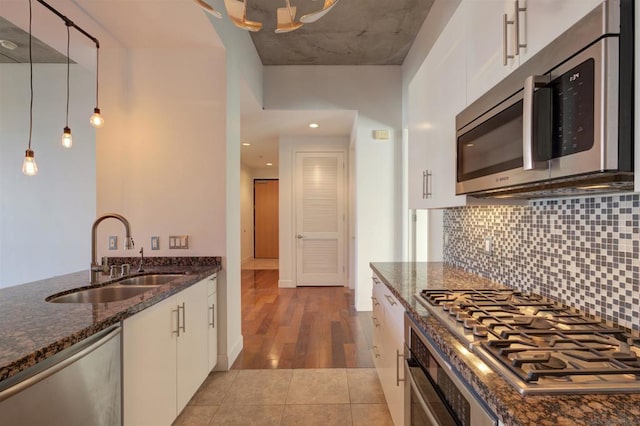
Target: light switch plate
113,242
178,242
155,243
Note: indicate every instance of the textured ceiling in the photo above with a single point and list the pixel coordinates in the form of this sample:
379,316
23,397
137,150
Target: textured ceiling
42,53
354,32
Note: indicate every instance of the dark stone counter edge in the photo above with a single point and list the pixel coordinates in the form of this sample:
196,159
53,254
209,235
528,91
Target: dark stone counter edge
164,292
545,405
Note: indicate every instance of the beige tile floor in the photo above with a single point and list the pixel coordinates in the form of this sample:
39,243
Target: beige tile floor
323,397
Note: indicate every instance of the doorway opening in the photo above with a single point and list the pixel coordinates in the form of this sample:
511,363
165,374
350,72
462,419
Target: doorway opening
266,219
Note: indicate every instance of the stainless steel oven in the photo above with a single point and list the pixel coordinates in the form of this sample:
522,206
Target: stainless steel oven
434,393
561,123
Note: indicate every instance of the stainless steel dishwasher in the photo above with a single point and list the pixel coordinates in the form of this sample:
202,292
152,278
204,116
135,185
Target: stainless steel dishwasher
78,386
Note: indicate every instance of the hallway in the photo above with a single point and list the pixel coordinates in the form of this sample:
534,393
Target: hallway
306,361
305,327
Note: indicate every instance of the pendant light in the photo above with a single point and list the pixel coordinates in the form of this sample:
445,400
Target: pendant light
96,119
29,166
67,140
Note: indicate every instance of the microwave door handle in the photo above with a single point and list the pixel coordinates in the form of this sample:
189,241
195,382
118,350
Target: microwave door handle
528,155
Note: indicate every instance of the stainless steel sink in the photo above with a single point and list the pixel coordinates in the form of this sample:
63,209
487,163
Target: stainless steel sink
147,280
109,293
119,290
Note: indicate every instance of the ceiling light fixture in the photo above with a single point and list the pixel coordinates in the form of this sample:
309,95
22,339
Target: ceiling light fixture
67,140
269,164
29,166
314,125
285,16
246,144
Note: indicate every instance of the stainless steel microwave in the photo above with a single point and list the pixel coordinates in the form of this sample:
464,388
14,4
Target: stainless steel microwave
562,122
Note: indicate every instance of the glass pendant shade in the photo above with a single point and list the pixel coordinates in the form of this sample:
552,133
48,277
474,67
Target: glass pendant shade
96,119
29,166
67,140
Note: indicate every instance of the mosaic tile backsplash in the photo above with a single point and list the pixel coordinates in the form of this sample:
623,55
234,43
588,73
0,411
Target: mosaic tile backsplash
582,252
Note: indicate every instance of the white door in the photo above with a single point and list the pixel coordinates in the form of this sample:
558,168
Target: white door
320,218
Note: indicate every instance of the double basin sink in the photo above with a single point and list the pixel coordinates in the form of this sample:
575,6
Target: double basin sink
116,291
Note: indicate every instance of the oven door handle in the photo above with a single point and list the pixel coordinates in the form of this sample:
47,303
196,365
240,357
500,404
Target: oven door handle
418,394
528,124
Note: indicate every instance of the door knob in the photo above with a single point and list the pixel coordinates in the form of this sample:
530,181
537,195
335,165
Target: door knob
299,237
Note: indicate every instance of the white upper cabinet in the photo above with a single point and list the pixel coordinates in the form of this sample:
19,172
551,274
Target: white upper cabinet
436,94
544,20
503,34
490,45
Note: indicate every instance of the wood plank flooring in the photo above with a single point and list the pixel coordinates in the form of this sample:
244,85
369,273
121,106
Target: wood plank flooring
305,327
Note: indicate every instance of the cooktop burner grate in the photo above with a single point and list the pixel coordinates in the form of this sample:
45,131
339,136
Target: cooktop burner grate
537,345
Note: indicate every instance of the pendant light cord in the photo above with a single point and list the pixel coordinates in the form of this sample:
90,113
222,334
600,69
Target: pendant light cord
97,72
30,79
68,61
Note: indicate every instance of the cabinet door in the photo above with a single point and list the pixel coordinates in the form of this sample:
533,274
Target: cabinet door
436,95
485,40
149,365
212,304
192,350
392,366
544,20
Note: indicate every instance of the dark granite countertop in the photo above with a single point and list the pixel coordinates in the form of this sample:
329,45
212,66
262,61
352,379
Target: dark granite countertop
32,329
405,279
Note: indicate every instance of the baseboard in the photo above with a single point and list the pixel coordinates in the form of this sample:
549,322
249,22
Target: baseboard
286,284
225,361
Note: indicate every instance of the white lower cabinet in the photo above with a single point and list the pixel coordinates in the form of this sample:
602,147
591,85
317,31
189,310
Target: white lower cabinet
388,350
164,357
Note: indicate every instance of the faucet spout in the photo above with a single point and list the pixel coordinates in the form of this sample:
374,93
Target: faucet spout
128,241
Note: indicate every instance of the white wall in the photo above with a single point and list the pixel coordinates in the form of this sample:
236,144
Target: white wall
45,220
376,93
160,154
246,212
288,146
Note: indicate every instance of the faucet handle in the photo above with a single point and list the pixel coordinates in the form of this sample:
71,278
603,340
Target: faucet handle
128,243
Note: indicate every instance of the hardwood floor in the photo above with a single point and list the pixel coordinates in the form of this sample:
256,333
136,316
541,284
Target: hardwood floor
305,327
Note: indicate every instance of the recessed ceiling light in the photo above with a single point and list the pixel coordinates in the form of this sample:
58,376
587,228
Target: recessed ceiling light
269,164
9,45
246,144
314,125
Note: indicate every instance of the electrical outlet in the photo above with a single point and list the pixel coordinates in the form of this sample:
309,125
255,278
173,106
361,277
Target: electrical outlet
155,243
113,242
178,242
488,246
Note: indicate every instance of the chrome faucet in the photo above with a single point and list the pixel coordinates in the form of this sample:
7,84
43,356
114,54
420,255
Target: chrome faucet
128,242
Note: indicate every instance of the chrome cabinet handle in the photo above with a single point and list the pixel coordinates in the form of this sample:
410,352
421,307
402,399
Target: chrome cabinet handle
184,330
376,281
299,236
375,301
375,321
399,356
530,84
177,330
518,9
375,352
212,308
505,55
426,184
390,299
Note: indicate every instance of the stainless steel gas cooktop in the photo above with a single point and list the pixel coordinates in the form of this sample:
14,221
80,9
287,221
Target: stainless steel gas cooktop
536,345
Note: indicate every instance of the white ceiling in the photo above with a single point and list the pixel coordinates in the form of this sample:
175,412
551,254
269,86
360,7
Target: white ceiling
263,128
